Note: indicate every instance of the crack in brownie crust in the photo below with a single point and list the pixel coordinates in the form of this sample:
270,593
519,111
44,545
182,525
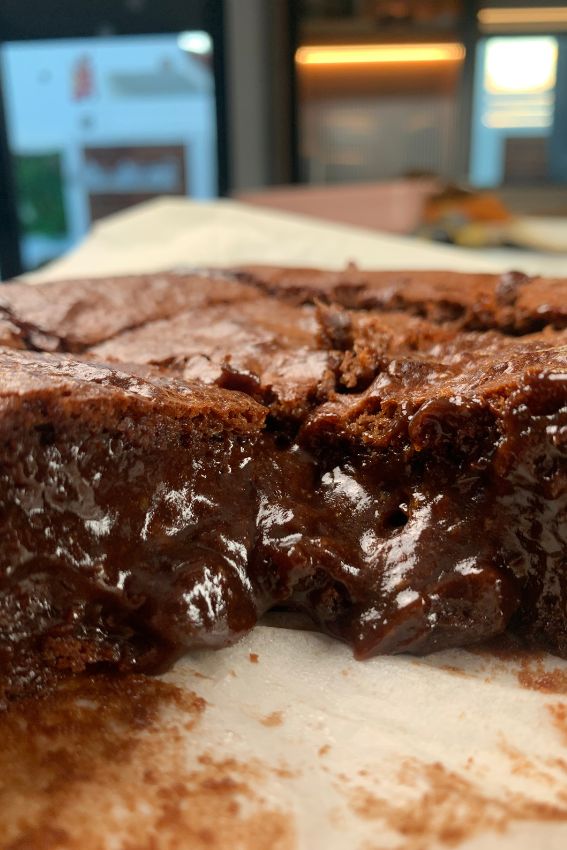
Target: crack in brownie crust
386,452
512,303
73,315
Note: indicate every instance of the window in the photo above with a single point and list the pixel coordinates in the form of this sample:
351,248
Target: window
95,125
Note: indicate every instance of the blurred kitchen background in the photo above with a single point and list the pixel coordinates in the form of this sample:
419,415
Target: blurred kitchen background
439,118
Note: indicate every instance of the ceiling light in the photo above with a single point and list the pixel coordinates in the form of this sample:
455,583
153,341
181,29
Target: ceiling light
520,65
362,54
195,41
548,16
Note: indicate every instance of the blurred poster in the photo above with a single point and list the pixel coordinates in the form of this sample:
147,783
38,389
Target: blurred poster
99,124
119,177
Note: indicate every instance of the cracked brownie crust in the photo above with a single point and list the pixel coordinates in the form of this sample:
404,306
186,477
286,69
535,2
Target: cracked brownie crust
386,452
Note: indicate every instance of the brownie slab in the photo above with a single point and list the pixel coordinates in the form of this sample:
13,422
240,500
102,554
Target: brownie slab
384,451
274,352
124,515
71,315
512,302
470,447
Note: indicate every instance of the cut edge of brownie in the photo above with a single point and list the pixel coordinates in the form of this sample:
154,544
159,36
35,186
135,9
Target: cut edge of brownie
107,482
393,512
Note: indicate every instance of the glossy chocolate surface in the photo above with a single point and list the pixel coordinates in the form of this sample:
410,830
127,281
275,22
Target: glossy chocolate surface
227,448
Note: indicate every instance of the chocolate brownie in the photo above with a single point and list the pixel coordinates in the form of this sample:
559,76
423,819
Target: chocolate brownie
72,315
126,516
512,303
274,352
10,334
394,468
470,448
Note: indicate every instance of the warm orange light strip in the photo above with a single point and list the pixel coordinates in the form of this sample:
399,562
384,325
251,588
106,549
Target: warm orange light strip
364,54
539,15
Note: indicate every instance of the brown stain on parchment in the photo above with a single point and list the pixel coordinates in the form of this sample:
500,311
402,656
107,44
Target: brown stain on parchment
445,808
535,677
274,719
550,772
454,670
105,761
558,713
528,665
